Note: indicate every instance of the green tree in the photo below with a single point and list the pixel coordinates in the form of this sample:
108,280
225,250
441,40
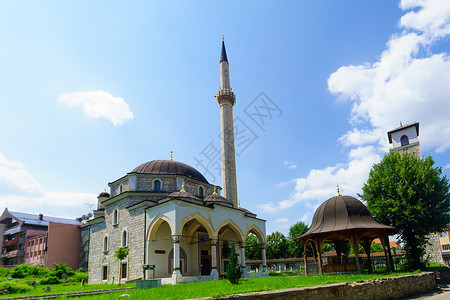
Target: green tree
233,267
277,245
409,193
252,247
296,230
121,253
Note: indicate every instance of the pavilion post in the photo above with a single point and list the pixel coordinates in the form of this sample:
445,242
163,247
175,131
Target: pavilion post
355,246
305,261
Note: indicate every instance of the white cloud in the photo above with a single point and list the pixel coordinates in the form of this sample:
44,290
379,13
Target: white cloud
320,185
408,83
447,166
281,220
99,104
290,165
305,217
20,191
404,85
282,223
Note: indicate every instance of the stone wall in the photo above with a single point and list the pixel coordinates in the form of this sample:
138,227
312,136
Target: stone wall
133,222
376,289
433,249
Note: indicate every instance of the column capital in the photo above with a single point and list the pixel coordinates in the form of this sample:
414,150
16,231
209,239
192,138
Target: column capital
242,244
263,246
213,242
176,238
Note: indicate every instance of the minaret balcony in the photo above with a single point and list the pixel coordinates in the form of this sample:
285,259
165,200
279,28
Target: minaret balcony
225,95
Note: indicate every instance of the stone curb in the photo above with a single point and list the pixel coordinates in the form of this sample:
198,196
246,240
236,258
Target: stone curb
74,294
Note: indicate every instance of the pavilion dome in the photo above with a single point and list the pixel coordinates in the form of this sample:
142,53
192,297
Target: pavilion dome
342,213
169,167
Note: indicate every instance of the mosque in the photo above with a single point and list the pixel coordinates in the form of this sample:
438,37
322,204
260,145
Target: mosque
169,216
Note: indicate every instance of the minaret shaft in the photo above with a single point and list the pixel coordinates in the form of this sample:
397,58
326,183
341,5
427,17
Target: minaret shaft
224,76
228,153
226,99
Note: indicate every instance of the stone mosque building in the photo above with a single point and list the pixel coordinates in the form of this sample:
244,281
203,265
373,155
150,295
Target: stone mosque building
168,215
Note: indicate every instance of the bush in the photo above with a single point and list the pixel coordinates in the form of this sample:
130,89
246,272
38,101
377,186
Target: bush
60,269
4,272
50,280
79,275
25,270
13,286
234,267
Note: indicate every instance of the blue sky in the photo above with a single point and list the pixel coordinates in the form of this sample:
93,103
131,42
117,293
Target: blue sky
91,90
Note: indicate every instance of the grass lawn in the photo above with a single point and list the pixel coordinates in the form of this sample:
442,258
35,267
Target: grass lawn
224,287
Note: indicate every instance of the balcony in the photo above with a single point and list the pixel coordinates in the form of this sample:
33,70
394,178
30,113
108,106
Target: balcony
13,253
11,242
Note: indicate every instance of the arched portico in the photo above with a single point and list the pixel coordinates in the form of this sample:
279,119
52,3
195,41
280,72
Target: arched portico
159,245
228,234
253,229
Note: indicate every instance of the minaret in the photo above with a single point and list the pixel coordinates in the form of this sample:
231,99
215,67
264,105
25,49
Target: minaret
226,99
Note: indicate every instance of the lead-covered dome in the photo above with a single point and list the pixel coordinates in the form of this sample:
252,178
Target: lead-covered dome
169,167
343,213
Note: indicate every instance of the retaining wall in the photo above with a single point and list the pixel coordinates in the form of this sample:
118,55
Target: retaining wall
374,289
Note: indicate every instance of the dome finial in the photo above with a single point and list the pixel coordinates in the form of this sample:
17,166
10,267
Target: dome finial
171,155
223,38
239,203
105,190
338,192
182,188
214,193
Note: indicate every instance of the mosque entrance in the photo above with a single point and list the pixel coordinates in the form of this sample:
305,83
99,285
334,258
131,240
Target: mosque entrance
204,247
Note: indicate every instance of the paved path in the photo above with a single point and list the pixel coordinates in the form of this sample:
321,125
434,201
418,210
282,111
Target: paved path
443,293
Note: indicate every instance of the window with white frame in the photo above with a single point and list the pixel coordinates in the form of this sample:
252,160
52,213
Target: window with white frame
124,269
124,238
157,185
104,268
115,218
201,191
105,243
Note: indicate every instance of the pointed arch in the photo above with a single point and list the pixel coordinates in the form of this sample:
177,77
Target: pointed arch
201,219
233,226
256,231
154,225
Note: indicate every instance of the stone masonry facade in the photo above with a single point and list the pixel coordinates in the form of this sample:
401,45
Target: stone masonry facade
133,221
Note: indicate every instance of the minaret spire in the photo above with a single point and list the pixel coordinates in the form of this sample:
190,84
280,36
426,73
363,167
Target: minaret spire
226,99
223,54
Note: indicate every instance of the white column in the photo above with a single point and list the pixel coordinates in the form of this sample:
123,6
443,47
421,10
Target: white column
214,272
176,275
243,269
263,253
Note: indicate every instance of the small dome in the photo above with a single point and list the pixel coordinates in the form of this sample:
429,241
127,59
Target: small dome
103,194
342,213
216,198
183,195
169,167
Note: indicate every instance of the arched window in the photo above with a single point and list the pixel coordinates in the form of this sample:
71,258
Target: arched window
157,185
104,270
201,191
121,189
115,219
404,140
105,243
124,238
